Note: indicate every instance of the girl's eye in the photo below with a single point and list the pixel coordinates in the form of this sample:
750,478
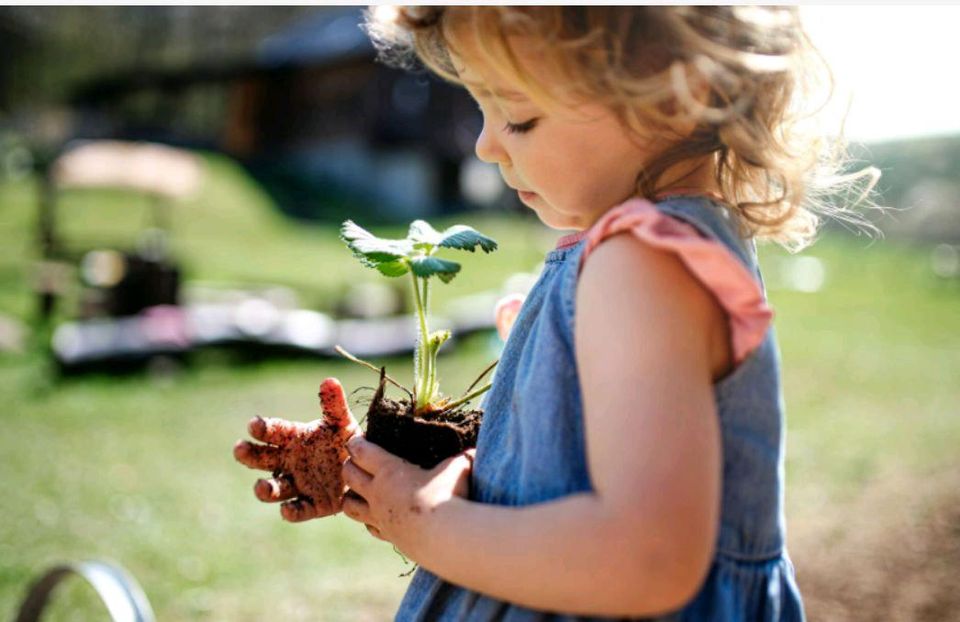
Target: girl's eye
520,128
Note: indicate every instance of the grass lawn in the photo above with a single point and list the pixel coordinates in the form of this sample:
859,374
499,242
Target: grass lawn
141,471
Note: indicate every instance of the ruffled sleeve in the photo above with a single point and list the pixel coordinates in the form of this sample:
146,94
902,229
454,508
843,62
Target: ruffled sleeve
715,266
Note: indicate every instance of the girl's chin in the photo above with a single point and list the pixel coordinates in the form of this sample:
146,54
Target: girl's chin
527,197
554,221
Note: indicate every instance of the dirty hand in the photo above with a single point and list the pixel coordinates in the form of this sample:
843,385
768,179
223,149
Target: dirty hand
306,458
391,496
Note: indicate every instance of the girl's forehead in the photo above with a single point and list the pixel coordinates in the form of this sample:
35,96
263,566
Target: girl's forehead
488,78
498,92
483,79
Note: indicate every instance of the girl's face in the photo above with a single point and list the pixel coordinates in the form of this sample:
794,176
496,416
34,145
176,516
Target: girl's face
570,164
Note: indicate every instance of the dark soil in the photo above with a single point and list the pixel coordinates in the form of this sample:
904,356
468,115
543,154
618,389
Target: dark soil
425,440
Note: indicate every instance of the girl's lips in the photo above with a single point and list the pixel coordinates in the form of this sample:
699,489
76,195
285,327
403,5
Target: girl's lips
526,196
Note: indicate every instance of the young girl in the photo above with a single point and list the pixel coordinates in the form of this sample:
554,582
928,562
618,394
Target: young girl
630,463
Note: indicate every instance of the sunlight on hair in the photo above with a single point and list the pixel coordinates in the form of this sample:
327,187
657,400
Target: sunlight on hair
385,14
382,19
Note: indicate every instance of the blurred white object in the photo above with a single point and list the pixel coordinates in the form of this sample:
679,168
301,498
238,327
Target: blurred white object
160,329
383,336
103,268
803,274
146,167
257,317
521,282
369,300
309,329
471,313
481,182
945,261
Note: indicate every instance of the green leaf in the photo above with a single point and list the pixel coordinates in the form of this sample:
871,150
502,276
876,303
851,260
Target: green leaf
373,251
466,238
378,249
393,268
350,231
426,267
421,231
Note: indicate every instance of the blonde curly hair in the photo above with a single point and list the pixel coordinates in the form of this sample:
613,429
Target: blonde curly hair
776,169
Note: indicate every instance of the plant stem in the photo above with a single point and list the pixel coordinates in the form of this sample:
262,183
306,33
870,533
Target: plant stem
467,398
432,374
482,374
420,363
351,357
426,297
431,364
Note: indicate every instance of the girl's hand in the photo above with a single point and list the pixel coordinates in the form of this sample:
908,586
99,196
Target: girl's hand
393,497
306,458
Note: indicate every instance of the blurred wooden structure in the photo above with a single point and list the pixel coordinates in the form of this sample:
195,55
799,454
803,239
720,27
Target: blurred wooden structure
122,277
324,127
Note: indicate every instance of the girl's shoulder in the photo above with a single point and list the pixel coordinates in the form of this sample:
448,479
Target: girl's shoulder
679,216
702,234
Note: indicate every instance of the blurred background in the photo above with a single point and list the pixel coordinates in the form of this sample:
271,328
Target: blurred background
172,181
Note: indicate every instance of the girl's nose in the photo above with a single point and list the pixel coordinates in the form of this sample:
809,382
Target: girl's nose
488,147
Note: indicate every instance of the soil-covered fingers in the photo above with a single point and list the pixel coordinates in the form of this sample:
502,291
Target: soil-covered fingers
275,489
303,509
274,430
263,457
333,401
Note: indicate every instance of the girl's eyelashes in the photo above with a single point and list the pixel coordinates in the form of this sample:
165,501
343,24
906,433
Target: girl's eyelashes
513,128
520,128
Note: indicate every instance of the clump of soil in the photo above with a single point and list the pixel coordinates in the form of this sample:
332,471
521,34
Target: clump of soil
425,440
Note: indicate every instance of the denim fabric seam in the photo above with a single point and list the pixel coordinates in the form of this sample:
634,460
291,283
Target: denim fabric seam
558,255
731,214
755,558
570,294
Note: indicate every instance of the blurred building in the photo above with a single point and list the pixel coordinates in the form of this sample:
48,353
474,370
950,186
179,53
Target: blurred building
326,129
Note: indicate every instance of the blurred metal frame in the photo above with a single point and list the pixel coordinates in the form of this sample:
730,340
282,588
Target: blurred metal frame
119,591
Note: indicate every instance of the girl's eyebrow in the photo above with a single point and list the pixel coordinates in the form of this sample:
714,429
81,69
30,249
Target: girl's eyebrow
482,91
511,95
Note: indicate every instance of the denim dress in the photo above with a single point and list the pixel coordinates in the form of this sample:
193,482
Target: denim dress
532,449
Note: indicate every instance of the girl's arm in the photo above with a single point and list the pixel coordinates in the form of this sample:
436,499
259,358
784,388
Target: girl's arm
647,336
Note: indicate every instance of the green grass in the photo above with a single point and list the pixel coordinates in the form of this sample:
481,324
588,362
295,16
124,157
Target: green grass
140,471
871,368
